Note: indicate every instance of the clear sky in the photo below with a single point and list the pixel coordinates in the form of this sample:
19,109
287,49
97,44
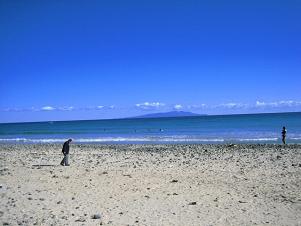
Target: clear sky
66,60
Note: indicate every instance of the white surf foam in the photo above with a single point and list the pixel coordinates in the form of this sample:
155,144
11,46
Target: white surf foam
111,139
257,139
167,139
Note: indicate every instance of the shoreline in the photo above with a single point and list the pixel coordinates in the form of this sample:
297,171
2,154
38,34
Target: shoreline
164,184
150,141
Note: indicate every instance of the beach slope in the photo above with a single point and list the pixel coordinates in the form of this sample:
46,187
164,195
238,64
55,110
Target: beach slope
151,185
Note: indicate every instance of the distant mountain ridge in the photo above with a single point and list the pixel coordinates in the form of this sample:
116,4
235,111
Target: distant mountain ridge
169,114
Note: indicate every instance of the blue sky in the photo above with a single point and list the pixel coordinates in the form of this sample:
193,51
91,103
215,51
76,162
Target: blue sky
66,60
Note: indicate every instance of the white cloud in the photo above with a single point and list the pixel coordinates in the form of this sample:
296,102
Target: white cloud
232,105
32,109
290,103
282,103
258,105
47,108
266,104
66,108
196,106
150,106
89,108
11,109
178,107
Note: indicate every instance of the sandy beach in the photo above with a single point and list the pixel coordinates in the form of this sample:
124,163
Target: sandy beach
151,185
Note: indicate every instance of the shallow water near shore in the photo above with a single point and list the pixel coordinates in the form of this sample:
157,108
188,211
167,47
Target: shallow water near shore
252,128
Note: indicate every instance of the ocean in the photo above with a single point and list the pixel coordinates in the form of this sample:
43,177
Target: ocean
246,128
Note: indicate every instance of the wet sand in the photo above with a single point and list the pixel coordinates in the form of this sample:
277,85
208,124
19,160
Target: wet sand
151,185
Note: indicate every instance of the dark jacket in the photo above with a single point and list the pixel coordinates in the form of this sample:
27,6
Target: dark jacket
65,149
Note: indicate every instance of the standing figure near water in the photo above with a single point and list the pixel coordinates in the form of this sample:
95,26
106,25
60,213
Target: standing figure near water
283,135
65,150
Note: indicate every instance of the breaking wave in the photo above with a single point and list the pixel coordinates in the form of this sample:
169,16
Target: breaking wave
149,140
257,139
111,140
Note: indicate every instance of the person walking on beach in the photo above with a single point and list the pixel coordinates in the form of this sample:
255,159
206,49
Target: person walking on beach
283,135
65,150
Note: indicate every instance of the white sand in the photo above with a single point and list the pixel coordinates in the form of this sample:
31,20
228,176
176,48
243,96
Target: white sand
133,185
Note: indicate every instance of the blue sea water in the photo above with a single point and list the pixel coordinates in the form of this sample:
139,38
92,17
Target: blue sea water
248,128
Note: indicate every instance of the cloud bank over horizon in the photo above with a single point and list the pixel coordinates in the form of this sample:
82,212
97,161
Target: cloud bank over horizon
150,105
159,106
101,111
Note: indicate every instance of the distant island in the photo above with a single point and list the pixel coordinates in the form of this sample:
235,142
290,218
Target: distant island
169,114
